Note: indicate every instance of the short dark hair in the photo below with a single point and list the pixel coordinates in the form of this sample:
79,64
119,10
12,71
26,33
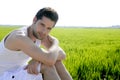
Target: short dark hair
47,12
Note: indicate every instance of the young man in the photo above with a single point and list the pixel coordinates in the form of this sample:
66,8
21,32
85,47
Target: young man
19,46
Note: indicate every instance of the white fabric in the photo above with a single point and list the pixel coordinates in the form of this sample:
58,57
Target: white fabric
20,74
11,61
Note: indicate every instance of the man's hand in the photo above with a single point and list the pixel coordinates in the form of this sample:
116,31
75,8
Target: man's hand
32,67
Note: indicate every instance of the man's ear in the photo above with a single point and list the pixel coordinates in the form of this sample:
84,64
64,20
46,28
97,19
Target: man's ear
34,20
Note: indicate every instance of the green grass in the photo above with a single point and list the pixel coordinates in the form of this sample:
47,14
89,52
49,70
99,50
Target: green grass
92,54
5,30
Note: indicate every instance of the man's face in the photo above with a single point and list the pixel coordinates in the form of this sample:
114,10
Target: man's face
42,27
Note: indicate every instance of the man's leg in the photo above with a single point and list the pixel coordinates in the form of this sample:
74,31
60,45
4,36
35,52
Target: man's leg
62,71
49,73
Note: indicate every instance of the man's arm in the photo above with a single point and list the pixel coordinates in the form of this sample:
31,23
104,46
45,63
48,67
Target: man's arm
17,40
62,54
49,44
32,66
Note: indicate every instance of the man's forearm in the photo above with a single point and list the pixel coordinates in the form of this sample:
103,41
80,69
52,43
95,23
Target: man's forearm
51,44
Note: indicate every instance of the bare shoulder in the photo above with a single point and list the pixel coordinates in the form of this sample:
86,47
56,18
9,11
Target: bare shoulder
52,38
15,38
49,41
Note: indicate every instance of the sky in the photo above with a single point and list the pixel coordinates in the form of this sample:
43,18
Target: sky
86,13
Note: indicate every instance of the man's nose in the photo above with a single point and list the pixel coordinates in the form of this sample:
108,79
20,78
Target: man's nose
44,30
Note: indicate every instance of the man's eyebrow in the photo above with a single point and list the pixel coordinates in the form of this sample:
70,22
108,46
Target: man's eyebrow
42,24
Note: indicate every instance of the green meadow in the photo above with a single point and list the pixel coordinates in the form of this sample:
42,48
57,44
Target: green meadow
92,53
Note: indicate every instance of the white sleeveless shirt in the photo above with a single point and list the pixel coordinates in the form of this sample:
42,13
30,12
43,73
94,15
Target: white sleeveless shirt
12,60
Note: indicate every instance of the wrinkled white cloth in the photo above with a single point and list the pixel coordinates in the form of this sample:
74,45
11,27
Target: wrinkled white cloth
20,74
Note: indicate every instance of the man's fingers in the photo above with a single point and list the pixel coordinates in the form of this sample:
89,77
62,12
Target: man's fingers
32,70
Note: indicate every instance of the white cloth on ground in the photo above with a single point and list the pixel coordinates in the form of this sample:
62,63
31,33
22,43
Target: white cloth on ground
20,74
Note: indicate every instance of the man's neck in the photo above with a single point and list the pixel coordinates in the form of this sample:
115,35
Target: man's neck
30,34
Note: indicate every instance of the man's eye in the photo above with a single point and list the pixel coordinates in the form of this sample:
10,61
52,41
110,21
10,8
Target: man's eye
49,28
